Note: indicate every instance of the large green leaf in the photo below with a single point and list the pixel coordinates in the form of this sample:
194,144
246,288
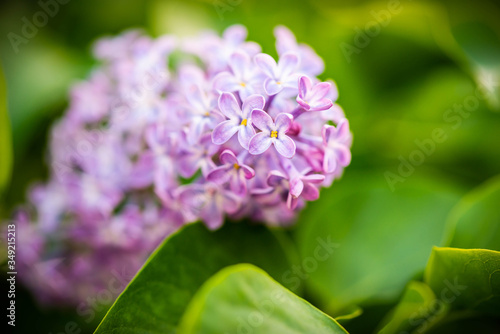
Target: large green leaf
244,299
416,310
384,238
475,220
156,298
5,140
461,286
466,279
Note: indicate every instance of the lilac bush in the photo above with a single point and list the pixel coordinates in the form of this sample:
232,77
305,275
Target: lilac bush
166,132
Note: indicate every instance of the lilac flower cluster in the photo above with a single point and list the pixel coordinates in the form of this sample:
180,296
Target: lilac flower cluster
167,132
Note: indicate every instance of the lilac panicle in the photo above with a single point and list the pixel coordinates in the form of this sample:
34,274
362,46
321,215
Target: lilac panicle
147,146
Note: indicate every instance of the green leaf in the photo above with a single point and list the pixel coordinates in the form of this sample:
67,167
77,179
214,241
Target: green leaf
467,279
417,310
461,286
5,140
244,299
475,220
384,237
156,298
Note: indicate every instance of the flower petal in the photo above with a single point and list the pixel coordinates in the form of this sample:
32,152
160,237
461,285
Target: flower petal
343,155
267,64
285,39
238,184
310,62
164,174
275,178
193,198
142,174
262,191
329,161
310,192
259,143
322,104
320,90
246,91
228,105
313,178
304,86
188,164
196,129
252,102
212,215
248,172
245,133
329,133
292,201
197,98
287,64
206,144
272,87
296,187
227,157
304,104
283,122
231,202
335,114
285,146
239,63
262,120
219,175
224,131
235,34
226,82
252,48
343,128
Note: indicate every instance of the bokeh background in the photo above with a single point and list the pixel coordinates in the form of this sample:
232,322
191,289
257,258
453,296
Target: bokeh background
399,80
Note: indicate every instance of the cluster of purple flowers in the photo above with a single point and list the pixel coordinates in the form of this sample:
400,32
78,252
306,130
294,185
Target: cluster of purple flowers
167,132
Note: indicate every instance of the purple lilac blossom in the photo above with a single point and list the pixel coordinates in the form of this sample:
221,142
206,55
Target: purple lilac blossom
146,147
314,97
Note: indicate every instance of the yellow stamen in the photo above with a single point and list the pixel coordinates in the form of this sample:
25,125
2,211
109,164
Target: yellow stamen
274,134
242,84
207,113
278,82
244,122
236,166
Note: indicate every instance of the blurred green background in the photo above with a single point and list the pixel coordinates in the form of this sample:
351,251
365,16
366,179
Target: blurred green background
399,80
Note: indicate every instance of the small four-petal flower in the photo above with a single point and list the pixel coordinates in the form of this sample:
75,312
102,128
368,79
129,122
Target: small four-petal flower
243,78
313,97
239,119
337,143
232,170
209,201
272,133
281,75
